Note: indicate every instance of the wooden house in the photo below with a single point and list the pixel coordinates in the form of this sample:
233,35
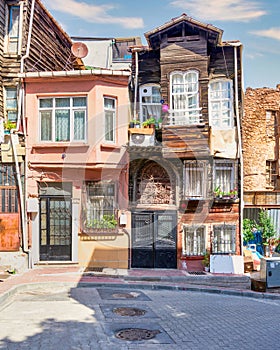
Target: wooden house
185,181
30,40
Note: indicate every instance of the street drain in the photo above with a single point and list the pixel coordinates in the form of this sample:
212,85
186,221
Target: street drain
125,295
196,273
136,334
129,311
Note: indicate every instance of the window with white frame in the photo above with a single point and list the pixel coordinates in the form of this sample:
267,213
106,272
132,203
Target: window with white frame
150,105
100,205
221,103
195,179
11,103
110,119
223,241
184,98
63,119
225,182
194,240
13,29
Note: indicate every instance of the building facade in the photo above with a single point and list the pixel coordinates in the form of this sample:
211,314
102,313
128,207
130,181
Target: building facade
185,180
77,167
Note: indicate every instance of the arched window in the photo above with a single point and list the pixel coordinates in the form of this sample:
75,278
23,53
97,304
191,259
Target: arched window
184,92
221,103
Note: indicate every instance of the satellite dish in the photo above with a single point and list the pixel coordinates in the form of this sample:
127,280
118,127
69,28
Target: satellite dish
79,49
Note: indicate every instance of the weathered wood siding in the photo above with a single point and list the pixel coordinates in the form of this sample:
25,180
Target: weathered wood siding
190,142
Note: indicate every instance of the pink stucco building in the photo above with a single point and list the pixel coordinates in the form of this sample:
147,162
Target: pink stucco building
76,173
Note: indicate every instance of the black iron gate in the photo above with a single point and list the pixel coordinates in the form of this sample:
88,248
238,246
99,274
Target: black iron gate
55,228
154,240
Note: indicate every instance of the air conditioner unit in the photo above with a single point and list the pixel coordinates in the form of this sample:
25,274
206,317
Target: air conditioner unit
147,91
142,140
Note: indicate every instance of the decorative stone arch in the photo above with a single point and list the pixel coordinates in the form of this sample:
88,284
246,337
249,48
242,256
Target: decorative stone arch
152,183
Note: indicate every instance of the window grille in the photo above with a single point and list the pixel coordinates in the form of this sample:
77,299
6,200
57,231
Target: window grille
224,239
100,206
195,179
193,240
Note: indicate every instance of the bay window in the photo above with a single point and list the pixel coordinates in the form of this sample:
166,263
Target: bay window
194,242
110,119
223,241
63,119
221,103
150,105
184,98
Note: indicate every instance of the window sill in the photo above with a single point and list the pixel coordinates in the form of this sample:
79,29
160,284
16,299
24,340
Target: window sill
99,232
109,146
60,145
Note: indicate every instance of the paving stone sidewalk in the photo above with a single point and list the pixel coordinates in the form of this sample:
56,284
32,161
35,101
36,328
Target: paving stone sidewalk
132,278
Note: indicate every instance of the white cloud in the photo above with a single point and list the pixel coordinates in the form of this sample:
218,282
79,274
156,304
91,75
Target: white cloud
221,10
273,33
93,13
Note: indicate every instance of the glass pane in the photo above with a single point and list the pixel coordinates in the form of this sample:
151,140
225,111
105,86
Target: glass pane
14,21
46,125
45,102
109,126
79,125
79,101
11,93
109,103
62,125
62,102
12,116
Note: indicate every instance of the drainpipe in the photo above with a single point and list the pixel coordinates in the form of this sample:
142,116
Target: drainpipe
22,194
236,45
135,83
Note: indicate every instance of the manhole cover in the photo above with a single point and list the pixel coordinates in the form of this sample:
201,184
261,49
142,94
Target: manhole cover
129,311
136,334
125,295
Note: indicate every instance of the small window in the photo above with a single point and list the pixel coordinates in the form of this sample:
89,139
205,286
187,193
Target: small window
13,29
223,239
225,178
194,241
150,105
11,103
271,173
63,119
110,119
8,189
100,206
195,179
184,92
221,104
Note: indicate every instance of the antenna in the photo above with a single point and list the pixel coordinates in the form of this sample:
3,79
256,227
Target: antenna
79,49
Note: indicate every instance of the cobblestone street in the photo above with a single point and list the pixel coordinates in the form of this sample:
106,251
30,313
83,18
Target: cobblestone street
127,318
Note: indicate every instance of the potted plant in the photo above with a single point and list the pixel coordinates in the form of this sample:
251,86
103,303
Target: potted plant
206,261
135,123
149,123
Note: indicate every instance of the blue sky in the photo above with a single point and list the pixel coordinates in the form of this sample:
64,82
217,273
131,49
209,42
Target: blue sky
254,22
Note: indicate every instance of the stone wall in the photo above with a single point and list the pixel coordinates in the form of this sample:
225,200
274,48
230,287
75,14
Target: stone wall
260,135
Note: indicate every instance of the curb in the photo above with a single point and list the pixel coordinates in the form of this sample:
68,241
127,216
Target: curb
4,298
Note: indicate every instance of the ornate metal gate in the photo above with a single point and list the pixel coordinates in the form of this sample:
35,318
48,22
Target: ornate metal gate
55,228
154,239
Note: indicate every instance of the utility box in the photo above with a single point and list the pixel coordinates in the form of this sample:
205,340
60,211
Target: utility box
270,271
